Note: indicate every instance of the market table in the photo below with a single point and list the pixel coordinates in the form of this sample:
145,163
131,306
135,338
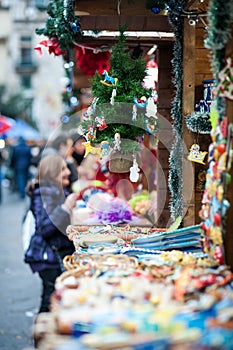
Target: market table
167,300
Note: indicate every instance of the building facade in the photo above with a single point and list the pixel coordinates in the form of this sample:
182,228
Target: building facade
38,78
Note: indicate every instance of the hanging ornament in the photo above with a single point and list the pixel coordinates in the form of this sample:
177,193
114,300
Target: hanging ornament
112,97
151,108
75,27
225,86
104,148
201,180
199,120
223,127
134,171
91,134
151,125
90,149
140,102
208,90
108,80
134,113
101,123
117,142
88,114
155,10
214,116
195,155
155,96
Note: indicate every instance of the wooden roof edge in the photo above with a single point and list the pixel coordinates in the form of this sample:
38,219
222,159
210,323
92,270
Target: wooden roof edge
134,23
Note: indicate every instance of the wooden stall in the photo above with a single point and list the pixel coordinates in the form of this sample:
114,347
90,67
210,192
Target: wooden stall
196,69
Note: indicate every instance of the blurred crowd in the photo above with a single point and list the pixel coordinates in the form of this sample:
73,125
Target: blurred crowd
19,163
57,177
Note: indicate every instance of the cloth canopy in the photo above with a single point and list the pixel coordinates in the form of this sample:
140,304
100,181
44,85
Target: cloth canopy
23,129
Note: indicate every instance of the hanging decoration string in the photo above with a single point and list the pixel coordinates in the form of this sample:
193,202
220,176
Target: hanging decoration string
94,49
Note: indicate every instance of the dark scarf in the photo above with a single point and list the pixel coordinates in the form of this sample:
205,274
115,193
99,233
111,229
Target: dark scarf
78,157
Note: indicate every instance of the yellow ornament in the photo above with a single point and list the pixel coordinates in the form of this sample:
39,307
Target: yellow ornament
90,149
195,155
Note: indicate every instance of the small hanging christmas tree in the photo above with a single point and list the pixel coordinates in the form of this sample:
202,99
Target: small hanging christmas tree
122,110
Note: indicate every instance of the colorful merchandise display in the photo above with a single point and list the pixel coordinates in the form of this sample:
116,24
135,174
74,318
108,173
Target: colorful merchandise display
108,299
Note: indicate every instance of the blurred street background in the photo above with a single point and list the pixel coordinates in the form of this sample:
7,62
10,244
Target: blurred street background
20,288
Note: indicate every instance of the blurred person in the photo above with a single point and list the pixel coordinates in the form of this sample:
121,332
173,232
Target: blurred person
63,146
51,204
78,148
20,163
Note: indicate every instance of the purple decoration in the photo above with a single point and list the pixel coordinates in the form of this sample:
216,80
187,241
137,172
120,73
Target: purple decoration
116,215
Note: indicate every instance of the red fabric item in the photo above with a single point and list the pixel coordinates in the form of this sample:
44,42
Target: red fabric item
90,62
52,45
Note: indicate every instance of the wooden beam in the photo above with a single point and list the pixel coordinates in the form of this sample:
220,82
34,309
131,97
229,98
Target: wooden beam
134,23
112,7
188,107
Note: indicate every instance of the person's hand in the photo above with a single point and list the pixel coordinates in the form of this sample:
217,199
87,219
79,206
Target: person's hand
70,201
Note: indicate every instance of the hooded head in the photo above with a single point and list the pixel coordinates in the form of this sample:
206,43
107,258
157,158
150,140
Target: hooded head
79,148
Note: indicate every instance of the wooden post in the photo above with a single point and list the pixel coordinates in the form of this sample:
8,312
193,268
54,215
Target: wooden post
165,135
188,107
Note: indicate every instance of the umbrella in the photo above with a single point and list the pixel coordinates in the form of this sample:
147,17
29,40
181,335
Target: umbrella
23,129
5,124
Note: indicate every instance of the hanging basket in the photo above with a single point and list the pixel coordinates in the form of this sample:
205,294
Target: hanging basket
120,162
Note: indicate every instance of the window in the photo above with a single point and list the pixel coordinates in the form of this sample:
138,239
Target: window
41,4
26,49
26,82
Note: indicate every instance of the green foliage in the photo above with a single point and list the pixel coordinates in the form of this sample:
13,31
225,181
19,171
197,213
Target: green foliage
61,24
220,20
130,74
13,105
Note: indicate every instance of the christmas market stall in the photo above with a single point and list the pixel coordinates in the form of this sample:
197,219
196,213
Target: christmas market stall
152,266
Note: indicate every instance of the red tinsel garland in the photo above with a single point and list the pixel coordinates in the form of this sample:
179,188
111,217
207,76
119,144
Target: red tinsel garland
90,62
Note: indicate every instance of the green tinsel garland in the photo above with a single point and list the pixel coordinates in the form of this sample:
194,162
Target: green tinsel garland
61,23
198,122
175,178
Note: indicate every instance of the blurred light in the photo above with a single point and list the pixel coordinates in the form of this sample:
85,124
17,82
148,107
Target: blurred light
74,101
2,143
65,118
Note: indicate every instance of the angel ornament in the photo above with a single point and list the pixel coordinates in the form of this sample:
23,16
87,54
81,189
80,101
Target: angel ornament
112,97
134,113
117,142
151,108
134,171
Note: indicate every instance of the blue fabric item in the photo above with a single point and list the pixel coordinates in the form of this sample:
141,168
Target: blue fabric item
51,224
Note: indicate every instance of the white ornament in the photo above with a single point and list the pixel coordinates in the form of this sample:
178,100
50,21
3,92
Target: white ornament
112,97
134,172
151,108
117,142
134,113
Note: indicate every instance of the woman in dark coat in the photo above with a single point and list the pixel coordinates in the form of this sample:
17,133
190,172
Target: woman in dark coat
51,205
